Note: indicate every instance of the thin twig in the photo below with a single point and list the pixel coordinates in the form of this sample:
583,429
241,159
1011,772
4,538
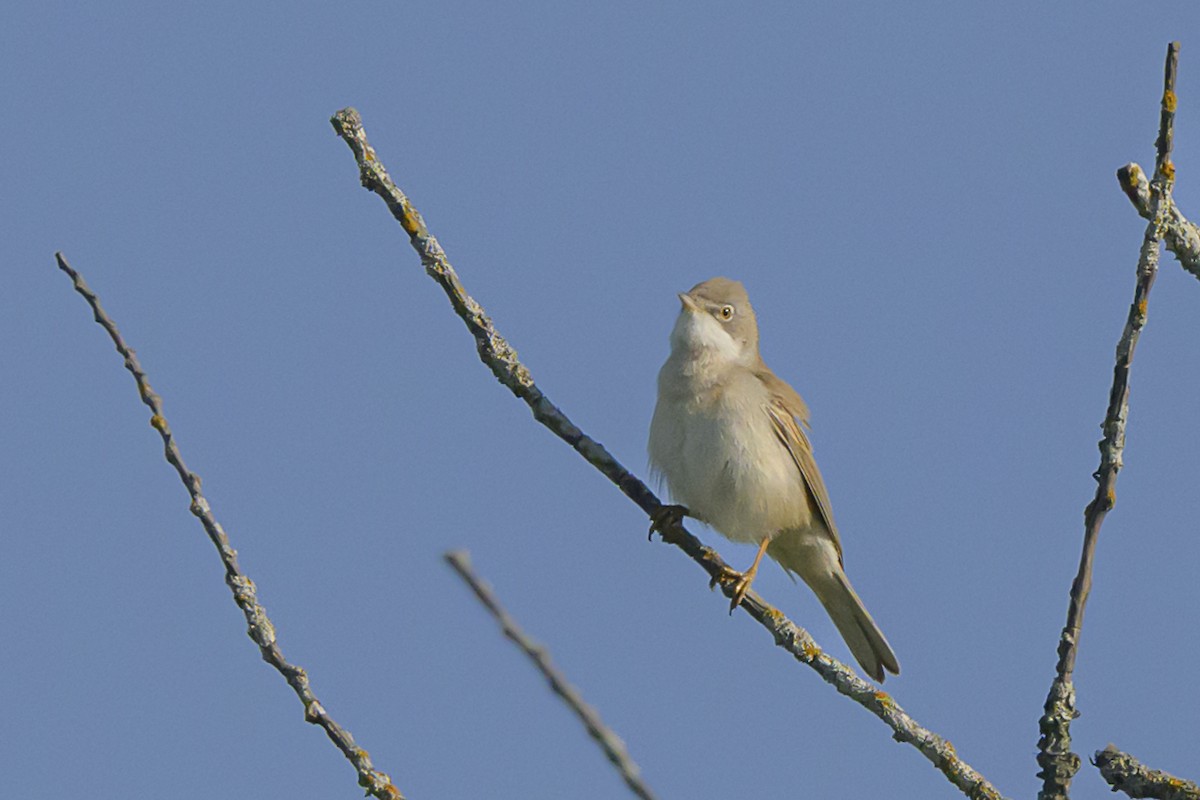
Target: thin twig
1058,763
604,736
502,360
1125,773
261,630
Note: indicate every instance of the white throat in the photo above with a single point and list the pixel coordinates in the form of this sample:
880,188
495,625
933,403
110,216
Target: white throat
699,337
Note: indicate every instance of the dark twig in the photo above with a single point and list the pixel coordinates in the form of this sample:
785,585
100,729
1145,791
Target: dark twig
1058,763
604,736
1125,773
261,630
501,359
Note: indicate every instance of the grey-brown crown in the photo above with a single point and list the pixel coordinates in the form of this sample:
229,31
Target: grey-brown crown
729,304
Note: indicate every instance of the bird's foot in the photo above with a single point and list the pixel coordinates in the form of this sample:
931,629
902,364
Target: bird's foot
740,583
666,517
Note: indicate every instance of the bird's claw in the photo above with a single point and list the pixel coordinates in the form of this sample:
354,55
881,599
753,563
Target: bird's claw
741,584
740,587
665,517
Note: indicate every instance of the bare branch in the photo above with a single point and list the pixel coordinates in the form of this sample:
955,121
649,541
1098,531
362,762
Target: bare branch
1058,764
608,740
1125,773
1180,235
261,630
501,359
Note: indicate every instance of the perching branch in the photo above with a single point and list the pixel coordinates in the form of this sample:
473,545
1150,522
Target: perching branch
1125,773
614,748
261,630
502,360
1058,763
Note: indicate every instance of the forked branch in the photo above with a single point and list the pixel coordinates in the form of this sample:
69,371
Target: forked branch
1180,235
1058,763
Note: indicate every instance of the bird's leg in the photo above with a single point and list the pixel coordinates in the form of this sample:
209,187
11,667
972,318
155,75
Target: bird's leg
741,580
666,517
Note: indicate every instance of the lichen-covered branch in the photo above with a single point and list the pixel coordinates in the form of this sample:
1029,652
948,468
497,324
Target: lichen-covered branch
1180,235
606,737
1125,773
502,360
244,592
1058,763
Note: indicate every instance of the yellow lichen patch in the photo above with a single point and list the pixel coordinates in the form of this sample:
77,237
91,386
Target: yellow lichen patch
885,700
810,650
411,221
158,422
1141,307
1169,100
1111,497
1168,170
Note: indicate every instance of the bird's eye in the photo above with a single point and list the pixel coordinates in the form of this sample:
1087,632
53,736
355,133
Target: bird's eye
726,312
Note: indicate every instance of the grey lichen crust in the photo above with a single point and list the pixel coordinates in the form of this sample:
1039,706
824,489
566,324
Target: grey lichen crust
1126,774
1180,235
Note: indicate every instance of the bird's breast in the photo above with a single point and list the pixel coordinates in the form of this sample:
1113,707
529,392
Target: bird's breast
716,447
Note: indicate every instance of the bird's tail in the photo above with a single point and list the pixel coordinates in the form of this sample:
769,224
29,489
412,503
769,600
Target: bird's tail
817,560
848,613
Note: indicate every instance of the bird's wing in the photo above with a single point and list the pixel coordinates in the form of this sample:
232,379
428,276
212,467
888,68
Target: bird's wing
789,416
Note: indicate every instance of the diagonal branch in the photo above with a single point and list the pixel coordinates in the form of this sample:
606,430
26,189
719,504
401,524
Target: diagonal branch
261,630
502,360
1058,764
1125,773
614,748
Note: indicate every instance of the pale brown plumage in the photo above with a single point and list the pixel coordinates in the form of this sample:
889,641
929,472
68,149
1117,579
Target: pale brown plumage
730,467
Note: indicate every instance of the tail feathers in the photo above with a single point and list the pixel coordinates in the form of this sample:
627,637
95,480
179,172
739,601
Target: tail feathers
862,635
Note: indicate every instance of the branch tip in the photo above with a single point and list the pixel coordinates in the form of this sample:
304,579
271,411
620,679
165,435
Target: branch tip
610,743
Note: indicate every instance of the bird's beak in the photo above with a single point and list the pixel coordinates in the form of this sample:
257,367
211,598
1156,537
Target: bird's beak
688,303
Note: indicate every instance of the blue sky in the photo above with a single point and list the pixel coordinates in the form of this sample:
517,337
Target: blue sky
921,203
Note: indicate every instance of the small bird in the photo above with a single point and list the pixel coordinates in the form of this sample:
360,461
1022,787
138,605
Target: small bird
728,440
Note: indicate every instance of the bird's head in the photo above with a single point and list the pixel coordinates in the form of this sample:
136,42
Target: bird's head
717,322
